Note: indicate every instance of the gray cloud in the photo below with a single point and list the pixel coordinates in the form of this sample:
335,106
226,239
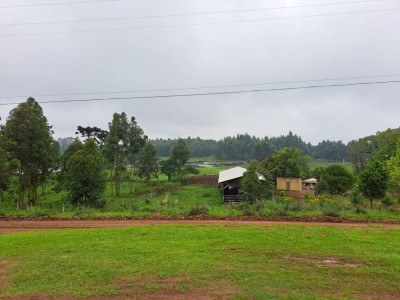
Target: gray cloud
224,54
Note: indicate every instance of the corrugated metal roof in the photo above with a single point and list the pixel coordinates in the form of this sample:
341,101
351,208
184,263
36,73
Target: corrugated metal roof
231,174
311,180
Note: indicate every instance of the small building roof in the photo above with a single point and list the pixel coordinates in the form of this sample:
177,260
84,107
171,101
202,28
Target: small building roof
311,180
231,174
234,173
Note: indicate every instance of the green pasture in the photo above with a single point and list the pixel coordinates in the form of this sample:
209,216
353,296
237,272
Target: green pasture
229,262
315,163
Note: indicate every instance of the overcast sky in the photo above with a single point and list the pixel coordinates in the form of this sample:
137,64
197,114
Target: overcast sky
303,42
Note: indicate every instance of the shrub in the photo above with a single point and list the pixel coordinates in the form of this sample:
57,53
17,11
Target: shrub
247,209
166,187
134,207
308,197
41,213
198,210
101,203
360,210
330,210
388,201
294,206
356,197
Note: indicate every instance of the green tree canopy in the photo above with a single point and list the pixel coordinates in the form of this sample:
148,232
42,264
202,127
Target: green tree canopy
8,165
288,162
94,132
116,148
148,165
175,167
253,187
30,141
393,166
374,181
180,153
85,179
335,180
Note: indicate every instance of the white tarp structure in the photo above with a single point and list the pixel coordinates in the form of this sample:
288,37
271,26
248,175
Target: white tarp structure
234,173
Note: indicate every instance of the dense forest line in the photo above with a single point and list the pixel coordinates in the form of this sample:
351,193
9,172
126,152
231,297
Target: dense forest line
246,147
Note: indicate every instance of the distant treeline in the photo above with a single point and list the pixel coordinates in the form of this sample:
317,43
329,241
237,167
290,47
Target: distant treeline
246,147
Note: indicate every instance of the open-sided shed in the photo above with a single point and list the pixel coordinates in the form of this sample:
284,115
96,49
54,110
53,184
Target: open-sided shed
229,181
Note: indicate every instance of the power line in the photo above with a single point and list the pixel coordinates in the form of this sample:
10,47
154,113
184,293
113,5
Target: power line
191,14
205,87
58,3
199,24
214,93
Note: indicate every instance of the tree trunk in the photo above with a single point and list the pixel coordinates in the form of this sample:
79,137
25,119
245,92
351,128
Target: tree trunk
117,183
111,182
20,191
131,182
34,200
117,187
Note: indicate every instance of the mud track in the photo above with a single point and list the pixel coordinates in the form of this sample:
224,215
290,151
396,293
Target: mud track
13,224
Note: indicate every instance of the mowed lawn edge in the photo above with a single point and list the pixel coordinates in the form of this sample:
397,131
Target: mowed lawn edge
228,262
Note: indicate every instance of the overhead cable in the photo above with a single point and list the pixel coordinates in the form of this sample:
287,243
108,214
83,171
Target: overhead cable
199,24
214,93
191,14
57,3
203,87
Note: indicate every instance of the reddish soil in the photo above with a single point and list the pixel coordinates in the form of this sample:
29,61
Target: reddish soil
12,224
209,180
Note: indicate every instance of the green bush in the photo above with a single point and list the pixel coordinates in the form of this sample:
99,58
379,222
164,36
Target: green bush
308,197
41,213
198,210
247,209
134,207
166,187
360,210
356,197
388,201
330,209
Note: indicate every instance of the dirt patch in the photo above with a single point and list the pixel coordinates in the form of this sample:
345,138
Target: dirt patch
329,261
12,224
298,195
3,267
174,287
208,180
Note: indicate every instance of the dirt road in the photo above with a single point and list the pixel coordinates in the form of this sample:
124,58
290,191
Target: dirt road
19,225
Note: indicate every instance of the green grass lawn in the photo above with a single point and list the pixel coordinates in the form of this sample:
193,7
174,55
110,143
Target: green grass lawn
246,262
315,163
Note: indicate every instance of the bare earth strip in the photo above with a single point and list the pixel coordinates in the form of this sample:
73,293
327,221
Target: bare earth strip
19,225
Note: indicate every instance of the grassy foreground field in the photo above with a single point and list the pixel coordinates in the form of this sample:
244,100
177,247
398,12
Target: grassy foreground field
216,262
